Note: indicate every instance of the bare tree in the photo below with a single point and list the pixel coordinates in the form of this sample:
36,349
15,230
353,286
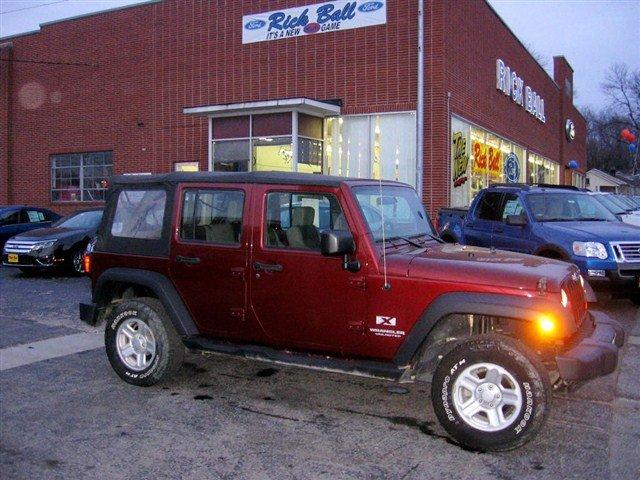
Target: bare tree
605,149
622,87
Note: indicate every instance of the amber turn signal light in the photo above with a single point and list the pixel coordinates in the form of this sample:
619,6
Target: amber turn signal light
546,324
86,263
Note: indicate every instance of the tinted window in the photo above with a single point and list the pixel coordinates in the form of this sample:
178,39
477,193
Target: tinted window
213,216
512,206
139,214
10,217
563,207
294,220
489,206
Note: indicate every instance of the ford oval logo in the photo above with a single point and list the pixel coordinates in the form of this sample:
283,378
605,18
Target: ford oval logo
312,28
370,7
255,24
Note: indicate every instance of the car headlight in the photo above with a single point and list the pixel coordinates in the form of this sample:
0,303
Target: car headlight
38,247
590,249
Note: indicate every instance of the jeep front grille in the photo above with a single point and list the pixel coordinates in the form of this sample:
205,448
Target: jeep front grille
577,298
626,251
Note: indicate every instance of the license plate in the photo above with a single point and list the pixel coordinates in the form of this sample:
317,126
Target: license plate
12,257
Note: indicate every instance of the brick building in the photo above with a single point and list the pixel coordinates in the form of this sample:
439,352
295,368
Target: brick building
215,84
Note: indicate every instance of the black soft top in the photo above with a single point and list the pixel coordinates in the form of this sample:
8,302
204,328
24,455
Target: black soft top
287,178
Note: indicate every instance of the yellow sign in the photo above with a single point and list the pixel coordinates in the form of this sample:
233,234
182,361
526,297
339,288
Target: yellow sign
460,159
486,159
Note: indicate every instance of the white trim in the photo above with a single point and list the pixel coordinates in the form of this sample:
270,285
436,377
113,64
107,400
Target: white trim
303,105
210,146
294,141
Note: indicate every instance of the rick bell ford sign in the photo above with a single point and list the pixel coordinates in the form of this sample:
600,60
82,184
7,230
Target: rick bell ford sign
312,19
509,83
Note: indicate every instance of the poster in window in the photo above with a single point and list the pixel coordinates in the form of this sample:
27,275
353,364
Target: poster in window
460,159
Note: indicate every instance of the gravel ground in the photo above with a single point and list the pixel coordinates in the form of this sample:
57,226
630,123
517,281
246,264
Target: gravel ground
71,417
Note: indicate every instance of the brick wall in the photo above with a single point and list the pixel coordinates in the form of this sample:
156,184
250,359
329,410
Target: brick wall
120,80
5,131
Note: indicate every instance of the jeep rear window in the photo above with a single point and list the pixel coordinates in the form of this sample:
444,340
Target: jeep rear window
139,214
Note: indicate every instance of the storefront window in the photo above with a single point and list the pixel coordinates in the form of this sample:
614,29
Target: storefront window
543,170
309,155
372,146
272,154
231,155
480,158
578,180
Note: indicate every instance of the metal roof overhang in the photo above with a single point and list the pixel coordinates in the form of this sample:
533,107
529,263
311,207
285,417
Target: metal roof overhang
302,105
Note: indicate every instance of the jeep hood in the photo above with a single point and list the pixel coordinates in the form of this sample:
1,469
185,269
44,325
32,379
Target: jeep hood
594,231
494,268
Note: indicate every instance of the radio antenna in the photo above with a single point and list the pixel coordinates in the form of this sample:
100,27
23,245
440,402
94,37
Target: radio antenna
386,285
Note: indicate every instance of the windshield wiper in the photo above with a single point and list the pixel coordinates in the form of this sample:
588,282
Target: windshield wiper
433,237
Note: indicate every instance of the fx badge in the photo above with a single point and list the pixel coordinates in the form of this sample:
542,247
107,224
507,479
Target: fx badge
386,321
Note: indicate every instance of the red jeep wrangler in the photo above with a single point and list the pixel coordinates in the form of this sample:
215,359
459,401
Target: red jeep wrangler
342,275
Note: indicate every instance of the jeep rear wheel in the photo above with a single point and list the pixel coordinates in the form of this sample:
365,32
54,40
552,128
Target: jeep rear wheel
491,393
142,344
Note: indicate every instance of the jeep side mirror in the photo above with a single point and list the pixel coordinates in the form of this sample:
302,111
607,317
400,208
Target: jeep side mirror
336,242
516,220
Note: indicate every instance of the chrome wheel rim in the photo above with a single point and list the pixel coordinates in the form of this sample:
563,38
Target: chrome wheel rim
487,397
77,262
136,344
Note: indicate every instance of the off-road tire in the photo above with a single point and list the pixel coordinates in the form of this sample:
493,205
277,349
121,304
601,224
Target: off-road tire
169,352
526,370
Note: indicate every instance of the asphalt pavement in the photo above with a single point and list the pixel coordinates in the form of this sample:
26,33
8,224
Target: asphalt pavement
65,414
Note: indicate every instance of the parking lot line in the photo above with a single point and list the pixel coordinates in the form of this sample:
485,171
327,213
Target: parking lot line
12,357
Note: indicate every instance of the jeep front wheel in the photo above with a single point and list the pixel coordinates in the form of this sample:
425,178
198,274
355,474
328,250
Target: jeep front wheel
142,344
491,393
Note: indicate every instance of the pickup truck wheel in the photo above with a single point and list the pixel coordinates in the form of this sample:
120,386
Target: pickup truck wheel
142,344
491,393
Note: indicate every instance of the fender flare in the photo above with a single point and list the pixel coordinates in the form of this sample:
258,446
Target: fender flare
158,284
519,308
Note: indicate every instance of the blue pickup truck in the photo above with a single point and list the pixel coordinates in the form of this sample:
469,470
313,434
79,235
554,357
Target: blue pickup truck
550,221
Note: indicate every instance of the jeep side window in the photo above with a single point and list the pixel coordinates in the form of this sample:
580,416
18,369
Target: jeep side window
489,207
139,214
512,206
212,216
294,220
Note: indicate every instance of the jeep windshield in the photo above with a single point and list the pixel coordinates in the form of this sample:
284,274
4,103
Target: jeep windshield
394,210
567,207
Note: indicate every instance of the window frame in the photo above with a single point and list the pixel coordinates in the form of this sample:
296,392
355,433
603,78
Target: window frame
263,224
81,168
188,241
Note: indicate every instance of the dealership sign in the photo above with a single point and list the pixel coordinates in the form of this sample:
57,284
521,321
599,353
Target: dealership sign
509,83
312,19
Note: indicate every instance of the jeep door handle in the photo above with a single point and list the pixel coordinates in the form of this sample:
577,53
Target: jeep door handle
187,260
267,267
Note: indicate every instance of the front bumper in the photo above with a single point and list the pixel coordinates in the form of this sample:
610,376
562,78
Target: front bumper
593,356
28,260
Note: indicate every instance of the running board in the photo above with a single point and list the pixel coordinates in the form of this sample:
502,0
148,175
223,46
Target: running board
361,368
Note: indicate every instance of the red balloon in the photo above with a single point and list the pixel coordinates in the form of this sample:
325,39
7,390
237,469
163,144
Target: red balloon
627,135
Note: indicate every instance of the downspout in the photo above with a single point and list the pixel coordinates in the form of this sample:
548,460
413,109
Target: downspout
420,103
449,149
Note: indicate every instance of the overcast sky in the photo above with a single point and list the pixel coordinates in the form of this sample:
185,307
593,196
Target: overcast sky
592,34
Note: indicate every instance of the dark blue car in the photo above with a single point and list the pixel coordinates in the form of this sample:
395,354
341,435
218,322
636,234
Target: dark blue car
560,223
18,218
